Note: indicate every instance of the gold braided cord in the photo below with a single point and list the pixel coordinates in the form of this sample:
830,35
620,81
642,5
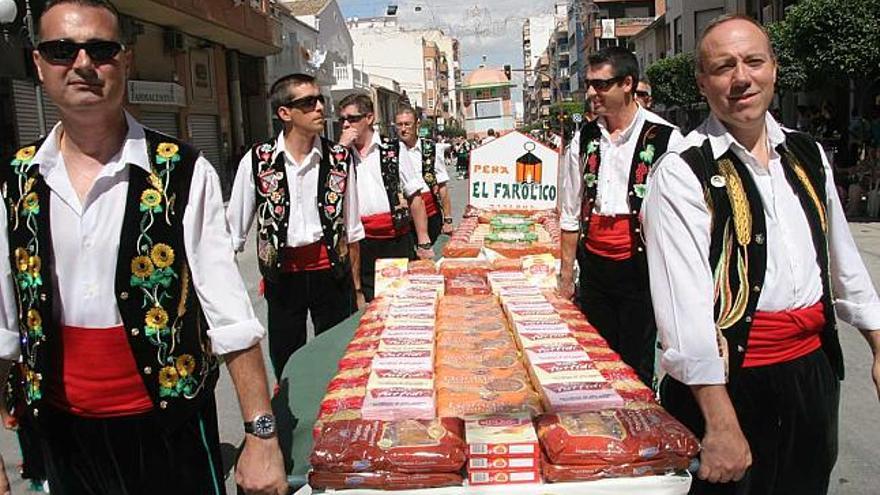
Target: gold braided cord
184,290
811,191
742,213
731,308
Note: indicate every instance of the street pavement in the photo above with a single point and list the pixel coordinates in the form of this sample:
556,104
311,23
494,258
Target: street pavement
859,453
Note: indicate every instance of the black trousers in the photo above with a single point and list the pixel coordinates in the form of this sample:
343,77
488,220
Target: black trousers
373,249
616,299
132,455
290,300
788,413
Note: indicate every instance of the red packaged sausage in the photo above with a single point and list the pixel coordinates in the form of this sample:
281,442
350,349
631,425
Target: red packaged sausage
382,480
561,472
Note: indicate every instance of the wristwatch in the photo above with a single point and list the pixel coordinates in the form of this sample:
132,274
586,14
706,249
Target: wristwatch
263,426
447,220
426,245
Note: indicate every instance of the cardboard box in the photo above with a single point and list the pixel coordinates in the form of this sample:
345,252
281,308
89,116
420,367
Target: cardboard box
503,477
507,435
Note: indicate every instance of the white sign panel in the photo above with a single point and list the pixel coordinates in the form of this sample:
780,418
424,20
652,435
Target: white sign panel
156,93
608,29
514,172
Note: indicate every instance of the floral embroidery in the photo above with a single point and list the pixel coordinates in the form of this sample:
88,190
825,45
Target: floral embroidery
24,155
334,198
151,200
162,255
31,204
271,204
167,152
592,168
35,324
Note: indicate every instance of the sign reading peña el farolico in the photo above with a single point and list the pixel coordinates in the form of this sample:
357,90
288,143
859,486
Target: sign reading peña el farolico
514,172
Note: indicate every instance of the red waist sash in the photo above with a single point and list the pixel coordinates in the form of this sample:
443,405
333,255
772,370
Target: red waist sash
609,237
380,226
430,205
98,373
781,336
307,258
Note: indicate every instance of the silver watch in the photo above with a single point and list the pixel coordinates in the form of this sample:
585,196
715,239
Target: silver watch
263,426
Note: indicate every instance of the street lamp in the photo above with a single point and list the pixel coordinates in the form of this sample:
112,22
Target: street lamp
8,14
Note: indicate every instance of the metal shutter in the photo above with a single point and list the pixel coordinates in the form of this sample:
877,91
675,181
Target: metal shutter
204,134
25,107
164,122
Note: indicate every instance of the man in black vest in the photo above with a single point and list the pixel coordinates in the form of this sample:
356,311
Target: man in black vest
120,289
607,167
428,156
389,187
301,189
746,240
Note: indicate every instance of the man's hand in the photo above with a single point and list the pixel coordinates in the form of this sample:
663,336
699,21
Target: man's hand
425,254
448,228
566,288
876,374
260,469
348,137
360,299
4,481
873,338
725,455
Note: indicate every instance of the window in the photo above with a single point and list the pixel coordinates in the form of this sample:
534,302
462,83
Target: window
676,33
488,109
702,18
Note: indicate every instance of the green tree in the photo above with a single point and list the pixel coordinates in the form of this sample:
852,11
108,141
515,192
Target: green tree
821,42
673,82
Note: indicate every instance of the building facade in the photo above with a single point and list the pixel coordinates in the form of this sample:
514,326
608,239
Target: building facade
486,102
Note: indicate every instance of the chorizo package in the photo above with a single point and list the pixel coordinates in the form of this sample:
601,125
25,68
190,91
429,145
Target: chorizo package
454,268
615,436
382,480
422,266
405,446
467,285
496,397
554,473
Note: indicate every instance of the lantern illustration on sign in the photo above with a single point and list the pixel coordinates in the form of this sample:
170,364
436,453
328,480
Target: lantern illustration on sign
529,167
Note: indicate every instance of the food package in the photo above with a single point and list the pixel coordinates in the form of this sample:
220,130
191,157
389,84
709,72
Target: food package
453,268
513,397
404,360
511,435
408,446
507,265
388,271
504,476
541,270
579,396
379,379
399,403
382,480
554,473
422,266
503,462
615,436
474,379
565,372
467,285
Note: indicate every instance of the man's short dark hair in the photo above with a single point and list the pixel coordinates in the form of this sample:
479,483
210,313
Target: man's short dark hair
406,109
279,93
362,101
98,4
622,61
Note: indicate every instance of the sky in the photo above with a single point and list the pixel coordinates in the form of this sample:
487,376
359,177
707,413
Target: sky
483,27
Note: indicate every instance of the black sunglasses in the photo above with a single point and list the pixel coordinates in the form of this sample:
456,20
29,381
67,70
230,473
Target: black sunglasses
351,119
603,84
306,103
66,51
643,94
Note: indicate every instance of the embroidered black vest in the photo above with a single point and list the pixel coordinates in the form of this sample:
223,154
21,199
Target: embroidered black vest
429,172
652,143
738,251
154,292
273,205
389,164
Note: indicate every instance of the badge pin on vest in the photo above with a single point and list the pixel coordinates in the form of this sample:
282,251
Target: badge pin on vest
718,181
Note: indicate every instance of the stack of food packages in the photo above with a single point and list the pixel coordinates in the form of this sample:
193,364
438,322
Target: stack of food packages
377,426
511,234
499,352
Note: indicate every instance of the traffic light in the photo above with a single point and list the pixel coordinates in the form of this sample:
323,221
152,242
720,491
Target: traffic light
507,71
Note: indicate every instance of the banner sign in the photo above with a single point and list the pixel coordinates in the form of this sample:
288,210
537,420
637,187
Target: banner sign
514,172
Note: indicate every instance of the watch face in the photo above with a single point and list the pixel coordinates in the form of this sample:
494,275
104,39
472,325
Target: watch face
264,426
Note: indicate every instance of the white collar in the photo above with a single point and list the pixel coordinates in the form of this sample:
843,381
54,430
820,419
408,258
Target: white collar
721,140
281,147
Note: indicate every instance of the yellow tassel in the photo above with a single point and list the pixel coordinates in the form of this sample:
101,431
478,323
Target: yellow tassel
742,213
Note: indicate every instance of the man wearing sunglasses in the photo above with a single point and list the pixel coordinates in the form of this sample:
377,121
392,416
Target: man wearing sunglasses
302,191
608,161
389,191
643,95
430,155
123,291
752,262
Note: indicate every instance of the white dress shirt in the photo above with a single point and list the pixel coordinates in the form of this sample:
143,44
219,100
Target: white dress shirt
440,172
371,190
612,187
678,235
304,225
85,248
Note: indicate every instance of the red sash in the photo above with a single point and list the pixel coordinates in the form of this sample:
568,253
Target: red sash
312,257
99,376
380,226
609,237
430,205
781,336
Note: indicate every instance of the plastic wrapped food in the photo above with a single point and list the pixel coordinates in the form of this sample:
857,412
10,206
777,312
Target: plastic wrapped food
615,436
571,472
497,397
382,480
467,285
507,265
422,266
454,268
407,446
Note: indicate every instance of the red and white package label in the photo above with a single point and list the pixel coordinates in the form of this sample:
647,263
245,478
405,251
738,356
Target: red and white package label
564,373
503,477
502,435
502,462
580,396
541,327
396,404
420,360
555,353
528,340
380,379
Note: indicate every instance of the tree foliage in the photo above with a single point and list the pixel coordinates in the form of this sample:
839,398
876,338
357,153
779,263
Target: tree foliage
673,82
827,41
